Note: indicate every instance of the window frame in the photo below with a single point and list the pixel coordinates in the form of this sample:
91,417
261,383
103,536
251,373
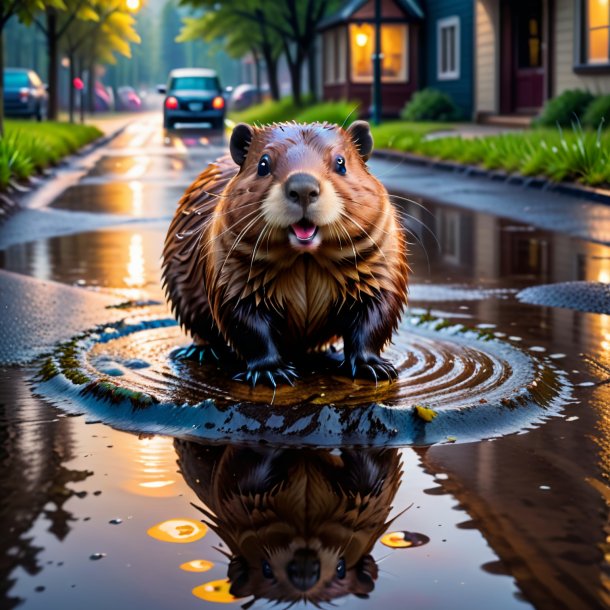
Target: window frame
581,62
441,24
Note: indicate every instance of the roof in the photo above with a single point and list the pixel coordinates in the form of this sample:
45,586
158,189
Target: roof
193,72
410,7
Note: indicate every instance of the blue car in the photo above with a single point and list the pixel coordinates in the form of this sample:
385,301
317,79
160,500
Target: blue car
193,96
25,95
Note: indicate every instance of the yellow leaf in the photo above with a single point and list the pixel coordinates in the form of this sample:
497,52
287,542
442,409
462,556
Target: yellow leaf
425,413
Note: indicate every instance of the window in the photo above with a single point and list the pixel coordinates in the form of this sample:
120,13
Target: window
394,39
448,48
596,29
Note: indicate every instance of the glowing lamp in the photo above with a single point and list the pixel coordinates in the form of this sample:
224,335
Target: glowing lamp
361,39
171,103
218,103
132,5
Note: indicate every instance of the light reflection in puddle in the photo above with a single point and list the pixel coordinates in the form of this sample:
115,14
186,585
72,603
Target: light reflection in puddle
215,591
179,531
404,540
154,476
197,565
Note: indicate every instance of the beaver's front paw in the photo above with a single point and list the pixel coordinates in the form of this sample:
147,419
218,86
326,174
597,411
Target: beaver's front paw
371,367
269,372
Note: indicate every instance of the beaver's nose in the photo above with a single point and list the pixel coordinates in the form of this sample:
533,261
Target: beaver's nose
304,570
302,189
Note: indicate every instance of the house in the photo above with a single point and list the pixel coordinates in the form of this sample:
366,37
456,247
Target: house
527,51
448,44
348,39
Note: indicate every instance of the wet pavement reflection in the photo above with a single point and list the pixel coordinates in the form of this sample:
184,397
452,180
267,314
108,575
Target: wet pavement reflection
95,517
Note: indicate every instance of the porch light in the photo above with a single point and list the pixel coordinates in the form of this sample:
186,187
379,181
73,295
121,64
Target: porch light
362,39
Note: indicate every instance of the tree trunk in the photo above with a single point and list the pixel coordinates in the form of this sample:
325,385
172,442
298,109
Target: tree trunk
2,81
91,85
51,34
271,63
81,97
257,76
312,71
295,66
72,72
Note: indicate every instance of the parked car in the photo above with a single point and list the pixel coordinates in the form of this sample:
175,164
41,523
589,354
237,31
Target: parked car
193,95
25,95
103,98
128,99
244,96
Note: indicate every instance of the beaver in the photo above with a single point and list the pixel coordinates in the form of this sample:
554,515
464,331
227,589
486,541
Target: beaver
299,524
284,248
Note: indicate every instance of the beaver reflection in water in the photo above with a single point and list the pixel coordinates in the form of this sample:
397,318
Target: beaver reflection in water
285,248
300,524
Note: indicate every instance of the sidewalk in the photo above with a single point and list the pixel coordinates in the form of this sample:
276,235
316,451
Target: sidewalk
543,208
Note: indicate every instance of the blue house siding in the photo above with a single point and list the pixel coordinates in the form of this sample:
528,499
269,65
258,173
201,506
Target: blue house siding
462,88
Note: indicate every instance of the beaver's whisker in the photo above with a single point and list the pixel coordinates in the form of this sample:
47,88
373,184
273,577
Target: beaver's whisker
266,228
239,238
417,203
349,115
344,215
405,217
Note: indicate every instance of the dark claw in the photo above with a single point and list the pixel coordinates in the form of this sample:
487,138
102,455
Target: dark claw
198,353
255,375
285,375
272,377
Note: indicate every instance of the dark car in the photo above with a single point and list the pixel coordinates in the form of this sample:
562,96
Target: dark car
244,96
25,95
193,96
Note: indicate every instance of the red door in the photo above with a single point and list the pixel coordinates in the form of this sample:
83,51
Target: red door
522,58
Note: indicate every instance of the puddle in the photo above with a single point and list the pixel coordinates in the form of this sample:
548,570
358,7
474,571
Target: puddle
454,385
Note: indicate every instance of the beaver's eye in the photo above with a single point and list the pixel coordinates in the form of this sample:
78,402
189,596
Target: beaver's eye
341,568
267,571
340,165
264,166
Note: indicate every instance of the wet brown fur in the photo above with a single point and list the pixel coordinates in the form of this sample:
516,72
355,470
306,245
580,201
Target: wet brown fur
228,260
267,504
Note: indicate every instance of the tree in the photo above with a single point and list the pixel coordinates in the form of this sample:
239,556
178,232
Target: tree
108,30
291,23
238,38
23,10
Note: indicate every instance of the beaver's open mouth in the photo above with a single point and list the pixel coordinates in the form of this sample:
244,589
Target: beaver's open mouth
304,230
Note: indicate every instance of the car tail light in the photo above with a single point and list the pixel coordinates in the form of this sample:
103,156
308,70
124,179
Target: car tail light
218,103
171,103
24,94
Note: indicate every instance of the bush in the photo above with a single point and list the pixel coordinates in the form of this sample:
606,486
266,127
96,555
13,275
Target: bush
430,105
598,113
565,109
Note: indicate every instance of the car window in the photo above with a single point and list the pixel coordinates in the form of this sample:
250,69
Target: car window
205,83
14,80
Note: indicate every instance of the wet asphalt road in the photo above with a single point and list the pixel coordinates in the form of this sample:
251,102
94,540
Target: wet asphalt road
519,521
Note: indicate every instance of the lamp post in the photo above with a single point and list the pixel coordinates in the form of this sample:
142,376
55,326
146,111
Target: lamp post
376,114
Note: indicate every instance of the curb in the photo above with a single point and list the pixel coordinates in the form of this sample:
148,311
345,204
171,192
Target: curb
589,193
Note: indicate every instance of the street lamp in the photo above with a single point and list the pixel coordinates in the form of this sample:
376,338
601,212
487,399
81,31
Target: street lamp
376,114
133,5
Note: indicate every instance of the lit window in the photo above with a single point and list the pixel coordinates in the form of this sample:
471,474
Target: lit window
393,50
448,48
597,28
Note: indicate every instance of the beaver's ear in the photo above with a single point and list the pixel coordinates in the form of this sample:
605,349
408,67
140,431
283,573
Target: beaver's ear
360,133
240,140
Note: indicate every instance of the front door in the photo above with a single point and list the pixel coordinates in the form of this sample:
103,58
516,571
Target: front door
522,57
